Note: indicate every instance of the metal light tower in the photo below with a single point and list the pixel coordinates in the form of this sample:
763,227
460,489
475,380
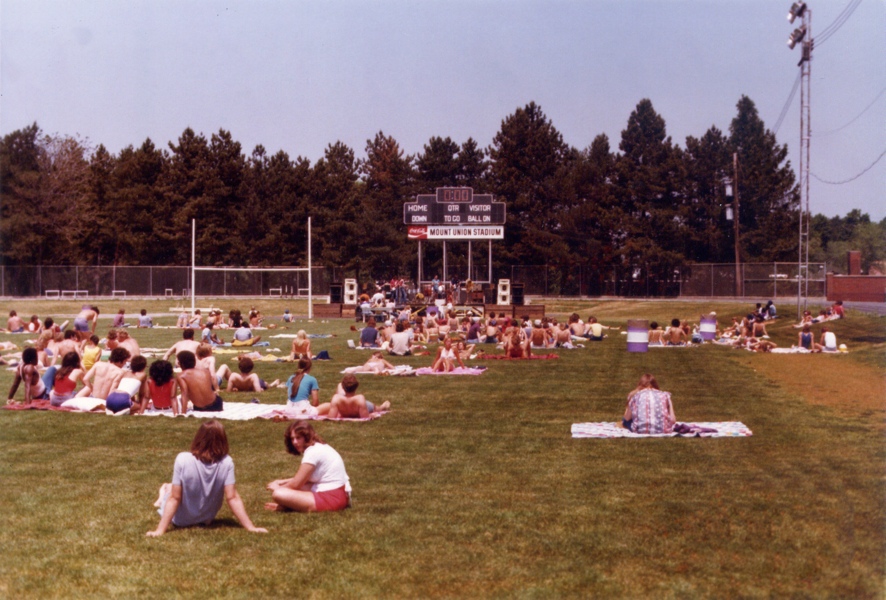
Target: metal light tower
803,36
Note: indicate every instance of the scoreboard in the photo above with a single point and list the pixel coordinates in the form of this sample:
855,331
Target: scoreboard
454,207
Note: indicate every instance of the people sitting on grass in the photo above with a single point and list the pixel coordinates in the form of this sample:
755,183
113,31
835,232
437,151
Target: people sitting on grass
401,339
34,325
245,380
675,335
197,385
540,337
201,478
837,309
195,321
321,483
806,340
516,343
145,320
132,387
36,388
447,357
301,346
70,343
369,335
124,340
208,336
104,377
186,343
161,389
828,340
649,410
655,334
64,386
595,329
303,391
119,319
347,404
90,351
15,324
243,336
758,329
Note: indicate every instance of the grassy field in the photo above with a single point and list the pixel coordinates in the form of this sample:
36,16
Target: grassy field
473,486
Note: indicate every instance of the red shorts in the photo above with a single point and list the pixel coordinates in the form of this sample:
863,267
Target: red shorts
336,499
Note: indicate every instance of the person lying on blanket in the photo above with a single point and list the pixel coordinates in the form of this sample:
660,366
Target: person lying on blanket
245,380
200,479
649,409
375,365
321,483
347,404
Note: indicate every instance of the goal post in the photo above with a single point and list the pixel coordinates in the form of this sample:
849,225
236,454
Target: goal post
251,271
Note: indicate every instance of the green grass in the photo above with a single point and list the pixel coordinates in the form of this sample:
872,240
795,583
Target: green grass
473,486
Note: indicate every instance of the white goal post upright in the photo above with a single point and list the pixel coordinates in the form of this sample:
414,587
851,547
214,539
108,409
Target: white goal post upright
195,268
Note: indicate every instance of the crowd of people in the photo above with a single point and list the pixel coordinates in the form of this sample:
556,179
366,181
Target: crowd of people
63,364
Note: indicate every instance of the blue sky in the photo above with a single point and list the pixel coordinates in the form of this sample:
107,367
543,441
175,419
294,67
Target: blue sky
298,76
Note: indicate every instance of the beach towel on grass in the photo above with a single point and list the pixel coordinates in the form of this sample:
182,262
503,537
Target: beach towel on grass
455,371
244,411
701,429
399,370
36,405
531,357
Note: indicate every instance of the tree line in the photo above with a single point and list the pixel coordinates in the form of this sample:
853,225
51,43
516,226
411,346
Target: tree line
648,206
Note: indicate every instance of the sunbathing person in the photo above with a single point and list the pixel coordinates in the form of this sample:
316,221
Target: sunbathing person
197,385
675,335
124,340
132,387
104,377
649,410
401,341
161,388
187,343
369,335
200,479
655,334
540,337
66,379
69,343
301,346
321,483
837,309
36,388
446,357
206,360
516,343
758,329
144,320
806,340
15,323
246,380
563,337
375,365
34,325
595,329
208,336
576,327
90,351
347,404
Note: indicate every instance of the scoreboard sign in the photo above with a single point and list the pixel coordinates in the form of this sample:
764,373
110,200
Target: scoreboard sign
455,208
440,232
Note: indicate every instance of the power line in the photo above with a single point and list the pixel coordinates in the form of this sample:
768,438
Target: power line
852,178
853,120
831,29
787,104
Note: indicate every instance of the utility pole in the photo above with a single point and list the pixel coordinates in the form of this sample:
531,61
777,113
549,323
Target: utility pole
738,281
803,36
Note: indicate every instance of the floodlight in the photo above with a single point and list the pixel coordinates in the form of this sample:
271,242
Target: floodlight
797,36
729,215
797,10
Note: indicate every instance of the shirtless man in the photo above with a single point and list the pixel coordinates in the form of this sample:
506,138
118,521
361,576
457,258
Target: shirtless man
576,327
187,343
563,337
350,405
655,334
81,321
674,335
70,343
105,376
493,331
124,340
196,385
539,337
15,323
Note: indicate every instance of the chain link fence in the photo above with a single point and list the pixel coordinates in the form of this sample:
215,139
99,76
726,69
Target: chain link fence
154,281
758,280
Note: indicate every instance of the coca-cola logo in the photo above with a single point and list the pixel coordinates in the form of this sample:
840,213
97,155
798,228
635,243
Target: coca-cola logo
418,233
